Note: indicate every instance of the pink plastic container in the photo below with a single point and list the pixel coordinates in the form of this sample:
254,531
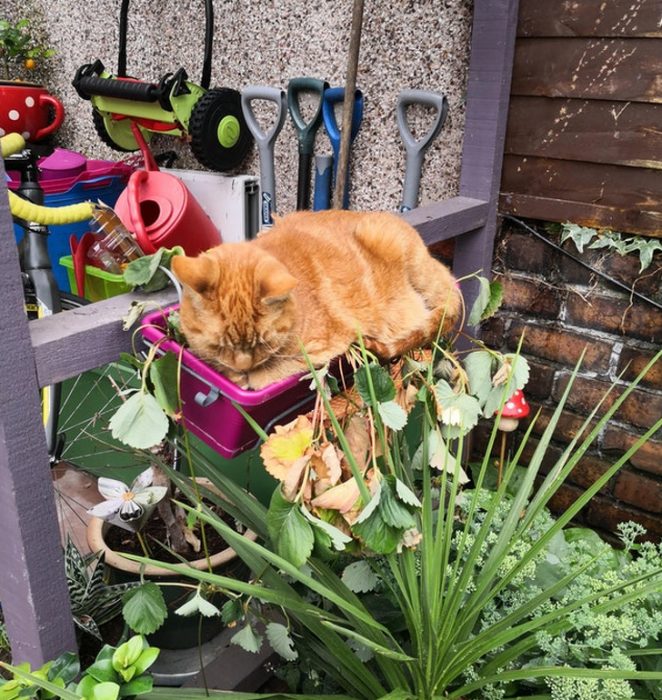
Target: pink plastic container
207,397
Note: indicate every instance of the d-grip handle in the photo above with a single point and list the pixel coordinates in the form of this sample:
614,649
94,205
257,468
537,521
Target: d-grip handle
415,148
265,141
305,130
135,217
58,109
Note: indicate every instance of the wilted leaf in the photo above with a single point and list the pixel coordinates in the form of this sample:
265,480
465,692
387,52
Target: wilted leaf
359,577
358,437
342,497
136,310
287,444
139,422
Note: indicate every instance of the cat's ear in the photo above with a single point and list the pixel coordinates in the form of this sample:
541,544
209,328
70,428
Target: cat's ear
274,282
200,274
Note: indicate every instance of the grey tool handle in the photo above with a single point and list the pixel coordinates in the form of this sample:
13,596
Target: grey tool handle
265,141
415,148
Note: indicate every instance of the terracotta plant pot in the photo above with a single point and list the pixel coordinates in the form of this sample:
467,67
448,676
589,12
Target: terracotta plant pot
177,632
28,109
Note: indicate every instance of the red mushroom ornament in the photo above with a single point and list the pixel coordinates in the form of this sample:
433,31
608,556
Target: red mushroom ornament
513,410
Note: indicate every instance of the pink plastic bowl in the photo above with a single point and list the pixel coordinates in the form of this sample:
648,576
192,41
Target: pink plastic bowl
207,397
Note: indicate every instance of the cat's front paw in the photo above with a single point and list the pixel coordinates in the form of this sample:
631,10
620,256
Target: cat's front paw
238,378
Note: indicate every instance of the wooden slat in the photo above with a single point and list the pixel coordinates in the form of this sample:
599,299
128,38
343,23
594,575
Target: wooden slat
74,341
448,219
591,183
603,18
33,591
488,88
607,69
593,215
599,131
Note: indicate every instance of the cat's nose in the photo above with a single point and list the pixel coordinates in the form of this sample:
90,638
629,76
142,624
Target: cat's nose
243,361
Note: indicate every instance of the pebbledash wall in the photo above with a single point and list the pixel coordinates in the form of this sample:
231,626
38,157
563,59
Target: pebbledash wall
561,309
405,44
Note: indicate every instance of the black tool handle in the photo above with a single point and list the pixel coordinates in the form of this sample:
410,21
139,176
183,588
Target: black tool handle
205,80
303,185
121,89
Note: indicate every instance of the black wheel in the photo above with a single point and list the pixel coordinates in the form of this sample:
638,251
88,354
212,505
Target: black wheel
220,139
116,134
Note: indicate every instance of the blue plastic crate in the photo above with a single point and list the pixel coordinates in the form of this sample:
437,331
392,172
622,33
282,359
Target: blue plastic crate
106,188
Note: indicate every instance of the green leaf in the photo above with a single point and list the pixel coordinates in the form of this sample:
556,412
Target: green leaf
359,577
102,670
378,535
406,495
392,414
139,422
495,301
144,608
289,530
381,381
478,366
281,642
104,691
163,375
337,537
481,303
147,657
520,371
144,272
137,686
393,511
247,639
232,611
66,667
579,235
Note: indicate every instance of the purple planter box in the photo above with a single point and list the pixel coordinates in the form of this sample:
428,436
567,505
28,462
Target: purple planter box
207,397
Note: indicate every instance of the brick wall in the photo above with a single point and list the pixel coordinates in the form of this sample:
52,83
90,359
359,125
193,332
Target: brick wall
562,308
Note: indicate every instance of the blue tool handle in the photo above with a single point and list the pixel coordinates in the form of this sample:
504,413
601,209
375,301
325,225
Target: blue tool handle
414,148
323,171
330,98
265,142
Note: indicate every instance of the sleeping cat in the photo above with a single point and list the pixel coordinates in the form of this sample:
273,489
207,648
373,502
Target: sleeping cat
314,278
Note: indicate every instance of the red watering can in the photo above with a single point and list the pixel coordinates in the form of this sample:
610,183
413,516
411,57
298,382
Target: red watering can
161,212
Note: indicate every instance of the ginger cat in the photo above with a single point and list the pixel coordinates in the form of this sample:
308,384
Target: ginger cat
314,278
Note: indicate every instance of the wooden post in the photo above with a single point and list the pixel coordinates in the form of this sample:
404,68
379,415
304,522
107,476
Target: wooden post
488,96
33,590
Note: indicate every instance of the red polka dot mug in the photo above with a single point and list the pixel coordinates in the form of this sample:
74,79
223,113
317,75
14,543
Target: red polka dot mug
29,110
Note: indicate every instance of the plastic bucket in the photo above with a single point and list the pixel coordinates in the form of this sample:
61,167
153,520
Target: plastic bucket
107,189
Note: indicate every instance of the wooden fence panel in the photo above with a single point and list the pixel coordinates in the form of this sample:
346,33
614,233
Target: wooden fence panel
584,142
639,18
598,69
617,133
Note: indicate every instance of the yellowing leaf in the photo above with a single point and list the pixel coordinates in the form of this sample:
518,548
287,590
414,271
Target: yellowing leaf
288,444
341,498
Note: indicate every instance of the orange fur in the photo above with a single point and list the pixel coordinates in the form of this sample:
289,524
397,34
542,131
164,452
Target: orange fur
314,278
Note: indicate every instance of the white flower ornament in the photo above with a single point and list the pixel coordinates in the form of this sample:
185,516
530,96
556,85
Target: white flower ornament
130,503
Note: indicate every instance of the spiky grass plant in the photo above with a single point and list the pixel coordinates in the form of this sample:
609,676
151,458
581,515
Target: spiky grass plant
441,586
